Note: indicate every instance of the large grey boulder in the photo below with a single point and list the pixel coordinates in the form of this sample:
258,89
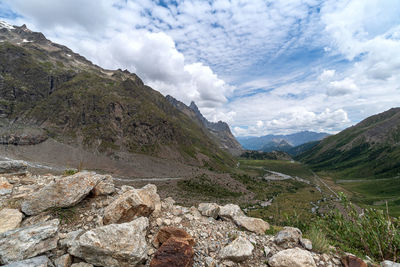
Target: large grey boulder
389,264
63,261
239,250
10,219
41,261
229,211
114,245
104,187
293,257
62,192
288,237
209,209
251,224
13,166
23,243
131,204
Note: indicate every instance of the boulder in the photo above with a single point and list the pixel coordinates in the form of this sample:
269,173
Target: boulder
229,211
173,252
113,245
306,243
166,233
62,192
63,261
104,187
82,264
255,225
23,243
353,261
132,204
41,261
209,209
239,250
5,187
294,257
10,219
289,237
389,264
13,166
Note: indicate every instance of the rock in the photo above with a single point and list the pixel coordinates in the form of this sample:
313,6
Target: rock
389,264
209,209
10,219
13,166
22,243
62,192
255,225
5,187
294,257
105,186
82,264
113,245
168,203
306,243
239,250
267,251
71,239
63,261
229,211
41,261
132,204
353,261
289,237
173,252
32,220
166,233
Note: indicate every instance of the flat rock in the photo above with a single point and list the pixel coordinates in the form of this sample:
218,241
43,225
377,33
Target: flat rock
104,187
209,209
13,166
62,192
63,261
239,250
82,264
113,245
353,261
22,243
389,264
306,243
10,219
229,211
256,225
131,204
294,257
289,237
173,252
41,261
166,233
5,187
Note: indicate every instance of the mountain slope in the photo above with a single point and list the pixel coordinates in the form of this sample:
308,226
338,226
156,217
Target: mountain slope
369,149
219,131
47,86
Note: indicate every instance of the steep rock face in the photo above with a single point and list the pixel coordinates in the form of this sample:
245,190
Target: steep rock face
220,131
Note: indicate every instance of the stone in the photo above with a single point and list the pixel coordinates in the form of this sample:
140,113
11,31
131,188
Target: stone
32,220
22,243
353,261
289,237
62,192
82,264
239,250
5,187
256,225
173,252
10,219
70,239
294,257
209,209
41,261
104,187
113,245
229,211
267,251
167,203
389,264
132,204
13,166
166,233
63,261
306,243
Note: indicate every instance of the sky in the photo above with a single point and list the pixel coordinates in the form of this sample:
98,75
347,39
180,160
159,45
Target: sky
264,67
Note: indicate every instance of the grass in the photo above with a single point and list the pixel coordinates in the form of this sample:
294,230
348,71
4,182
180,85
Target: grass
65,215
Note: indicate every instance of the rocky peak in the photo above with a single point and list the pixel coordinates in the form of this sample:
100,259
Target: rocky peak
5,25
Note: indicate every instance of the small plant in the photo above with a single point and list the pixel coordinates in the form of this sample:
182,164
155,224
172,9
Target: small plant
65,215
69,172
318,238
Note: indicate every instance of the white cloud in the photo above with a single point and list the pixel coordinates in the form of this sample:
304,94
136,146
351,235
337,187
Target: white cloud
327,75
343,87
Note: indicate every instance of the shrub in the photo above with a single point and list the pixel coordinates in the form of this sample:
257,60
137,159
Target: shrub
318,238
70,172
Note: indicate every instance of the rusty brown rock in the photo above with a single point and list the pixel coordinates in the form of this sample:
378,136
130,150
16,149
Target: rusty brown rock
166,233
353,261
174,252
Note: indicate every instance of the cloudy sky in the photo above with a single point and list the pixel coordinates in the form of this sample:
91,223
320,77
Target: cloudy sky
262,66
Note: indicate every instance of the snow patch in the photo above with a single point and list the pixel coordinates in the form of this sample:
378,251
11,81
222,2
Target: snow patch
5,25
26,41
68,55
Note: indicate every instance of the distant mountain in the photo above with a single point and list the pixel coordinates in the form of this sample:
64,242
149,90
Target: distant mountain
369,149
296,139
218,131
277,145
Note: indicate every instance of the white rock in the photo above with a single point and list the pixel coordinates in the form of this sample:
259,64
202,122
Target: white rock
209,209
239,250
389,264
306,243
289,237
294,257
82,264
229,211
105,186
41,261
5,187
10,219
255,225
63,261
13,166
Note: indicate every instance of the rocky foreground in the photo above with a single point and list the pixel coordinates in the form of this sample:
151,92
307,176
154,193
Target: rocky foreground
84,220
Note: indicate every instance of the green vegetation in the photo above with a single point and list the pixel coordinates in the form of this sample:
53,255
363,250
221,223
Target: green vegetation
65,215
70,172
319,240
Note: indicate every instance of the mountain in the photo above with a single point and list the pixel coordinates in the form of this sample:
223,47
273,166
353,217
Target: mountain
369,149
277,145
218,131
296,139
47,89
